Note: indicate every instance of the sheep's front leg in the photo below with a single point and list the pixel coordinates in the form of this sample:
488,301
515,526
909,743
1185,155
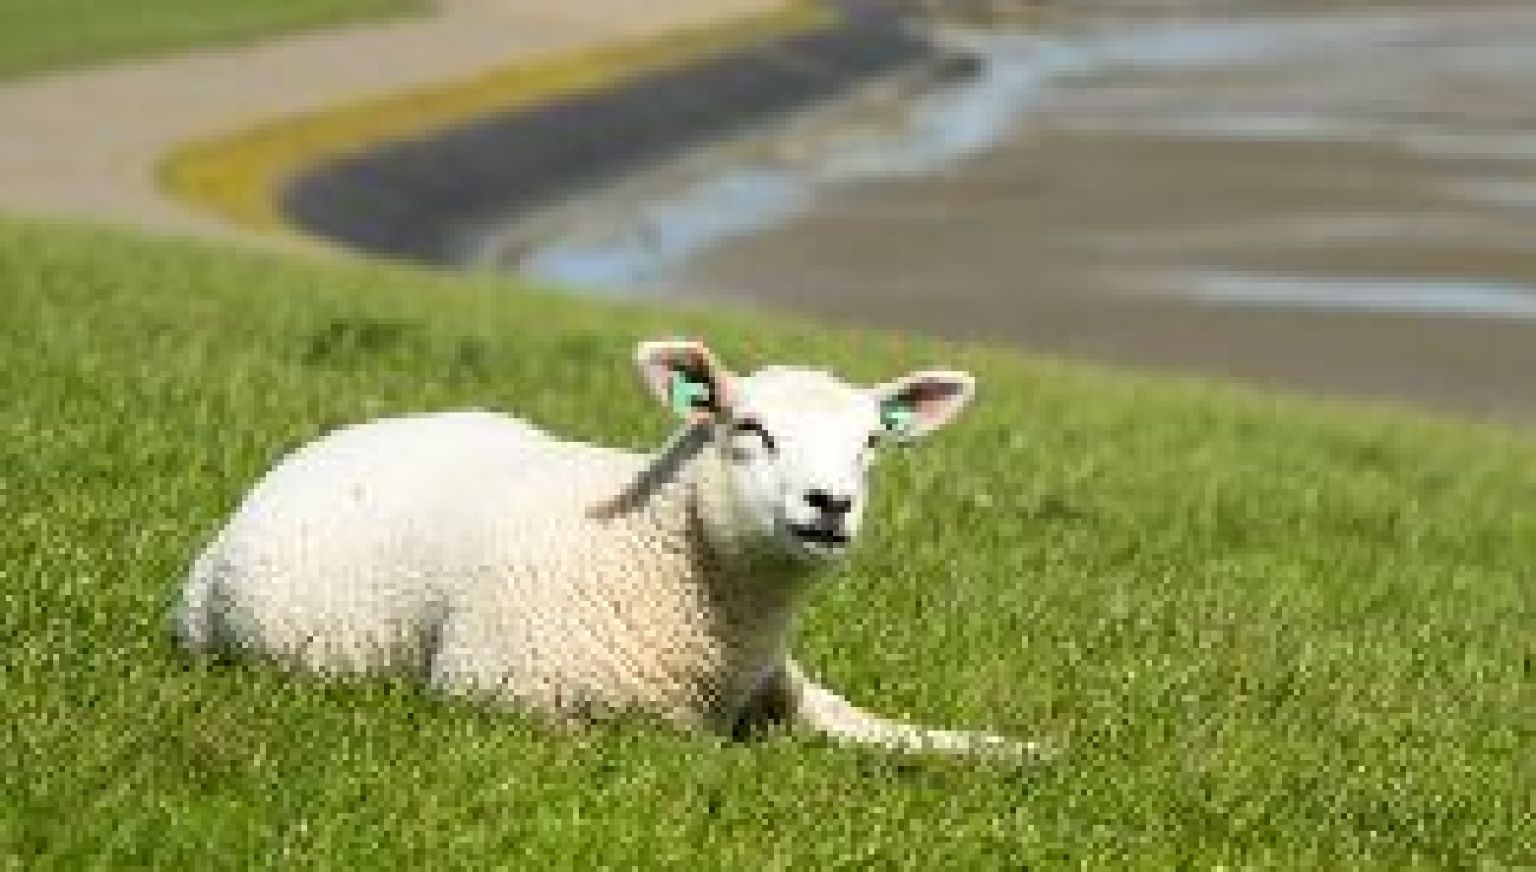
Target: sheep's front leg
791,697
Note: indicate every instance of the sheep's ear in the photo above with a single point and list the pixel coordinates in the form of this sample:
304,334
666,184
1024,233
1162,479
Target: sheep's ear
685,376
915,405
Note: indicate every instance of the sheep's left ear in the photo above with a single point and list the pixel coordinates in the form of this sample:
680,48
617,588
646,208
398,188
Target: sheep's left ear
915,405
685,377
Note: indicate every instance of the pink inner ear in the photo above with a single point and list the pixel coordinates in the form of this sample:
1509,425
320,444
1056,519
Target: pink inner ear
930,400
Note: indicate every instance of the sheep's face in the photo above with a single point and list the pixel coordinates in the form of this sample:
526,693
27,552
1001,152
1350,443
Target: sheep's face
793,447
797,446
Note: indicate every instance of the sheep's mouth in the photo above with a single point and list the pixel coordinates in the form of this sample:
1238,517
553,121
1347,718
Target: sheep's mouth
817,534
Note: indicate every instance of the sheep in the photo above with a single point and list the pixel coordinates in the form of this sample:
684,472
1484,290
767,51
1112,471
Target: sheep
476,552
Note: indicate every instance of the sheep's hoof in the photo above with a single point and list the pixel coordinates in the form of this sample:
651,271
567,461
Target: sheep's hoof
1010,750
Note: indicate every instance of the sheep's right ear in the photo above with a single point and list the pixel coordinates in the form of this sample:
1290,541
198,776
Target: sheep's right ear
915,405
685,376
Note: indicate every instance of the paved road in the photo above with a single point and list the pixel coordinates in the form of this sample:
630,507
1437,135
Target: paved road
86,144
428,198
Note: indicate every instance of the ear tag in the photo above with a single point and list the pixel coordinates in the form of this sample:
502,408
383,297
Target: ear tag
688,396
897,419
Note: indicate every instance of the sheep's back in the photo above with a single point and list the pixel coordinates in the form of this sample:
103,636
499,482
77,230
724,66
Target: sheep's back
344,557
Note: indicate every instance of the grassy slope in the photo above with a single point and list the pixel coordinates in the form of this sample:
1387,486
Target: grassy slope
39,35
1273,632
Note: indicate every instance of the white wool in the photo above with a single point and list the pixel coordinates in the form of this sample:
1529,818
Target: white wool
469,548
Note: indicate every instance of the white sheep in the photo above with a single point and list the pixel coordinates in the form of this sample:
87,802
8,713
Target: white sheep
569,579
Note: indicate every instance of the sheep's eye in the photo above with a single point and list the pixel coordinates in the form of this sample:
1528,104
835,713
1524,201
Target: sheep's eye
750,426
873,441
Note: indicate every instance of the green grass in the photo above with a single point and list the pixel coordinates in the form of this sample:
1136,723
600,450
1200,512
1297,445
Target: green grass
42,35
1272,633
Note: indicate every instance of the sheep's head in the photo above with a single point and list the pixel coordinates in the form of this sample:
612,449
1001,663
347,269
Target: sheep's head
791,448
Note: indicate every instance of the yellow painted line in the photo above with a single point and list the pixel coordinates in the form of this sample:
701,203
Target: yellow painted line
240,177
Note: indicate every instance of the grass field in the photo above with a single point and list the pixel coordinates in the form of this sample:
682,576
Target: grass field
41,35
1270,632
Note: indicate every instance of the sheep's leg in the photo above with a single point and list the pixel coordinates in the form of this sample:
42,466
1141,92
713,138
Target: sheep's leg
193,621
832,716
802,703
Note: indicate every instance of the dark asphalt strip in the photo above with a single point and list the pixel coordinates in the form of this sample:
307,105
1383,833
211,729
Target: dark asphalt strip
422,199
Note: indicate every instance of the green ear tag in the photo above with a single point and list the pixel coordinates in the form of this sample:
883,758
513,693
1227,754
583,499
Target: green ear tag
687,396
896,418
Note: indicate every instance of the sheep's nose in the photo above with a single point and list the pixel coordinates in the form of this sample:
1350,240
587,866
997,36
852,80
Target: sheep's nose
826,503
